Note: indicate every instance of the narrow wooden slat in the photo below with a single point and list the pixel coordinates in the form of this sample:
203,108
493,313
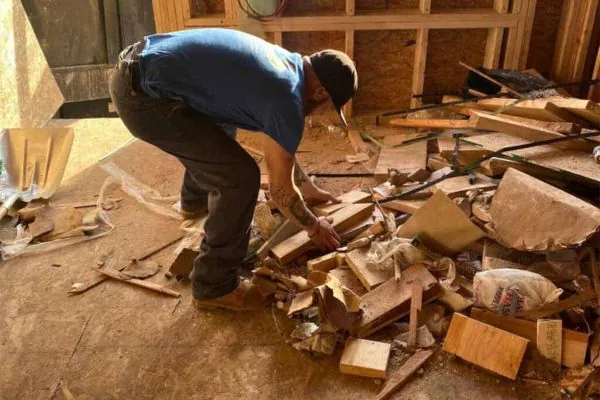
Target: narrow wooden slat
179,17
278,38
564,28
494,40
187,12
418,80
594,92
157,9
349,49
350,7
585,35
527,29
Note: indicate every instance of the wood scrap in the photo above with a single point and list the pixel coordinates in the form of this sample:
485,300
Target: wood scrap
391,301
436,162
559,306
531,215
563,127
467,152
284,232
301,243
67,223
40,227
549,339
415,306
460,185
184,262
405,158
27,213
432,123
324,263
442,226
573,344
370,276
538,109
497,123
357,143
352,197
486,346
403,374
405,206
119,276
365,358
347,278
141,269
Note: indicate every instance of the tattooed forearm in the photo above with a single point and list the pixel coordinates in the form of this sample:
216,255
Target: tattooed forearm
300,176
292,206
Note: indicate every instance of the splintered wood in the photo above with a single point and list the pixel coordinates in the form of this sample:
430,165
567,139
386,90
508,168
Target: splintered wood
401,376
365,358
404,158
483,345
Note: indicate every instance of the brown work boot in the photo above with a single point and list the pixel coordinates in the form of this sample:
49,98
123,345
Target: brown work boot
245,297
190,214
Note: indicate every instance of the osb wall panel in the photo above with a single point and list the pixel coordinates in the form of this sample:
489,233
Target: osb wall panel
199,8
544,35
312,7
384,60
446,4
369,5
307,43
447,47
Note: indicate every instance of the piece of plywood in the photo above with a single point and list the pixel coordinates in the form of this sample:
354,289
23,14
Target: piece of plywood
29,94
486,346
441,225
370,276
573,161
391,300
405,158
498,123
324,263
401,376
460,185
549,339
574,344
300,243
531,215
352,197
365,358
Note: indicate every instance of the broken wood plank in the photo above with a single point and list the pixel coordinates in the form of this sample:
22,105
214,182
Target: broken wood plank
365,358
442,226
525,214
432,123
460,185
401,376
390,301
300,243
405,206
357,143
573,345
415,306
369,276
353,197
138,282
405,158
324,263
577,300
497,123
284,232
486,346
347,278
467,152
539,109
549,339
563,127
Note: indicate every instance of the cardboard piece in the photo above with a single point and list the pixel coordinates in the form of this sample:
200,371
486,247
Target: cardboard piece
365,358
441,225
483,345
530,215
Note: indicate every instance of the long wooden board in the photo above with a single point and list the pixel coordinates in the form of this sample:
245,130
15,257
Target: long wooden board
574,344
497,123
391,300
576,162
369,276
486,346
401,376
300,243
352,197
432,123
405,159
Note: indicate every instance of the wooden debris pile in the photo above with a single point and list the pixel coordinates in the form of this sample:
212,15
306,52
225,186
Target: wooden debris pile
495,264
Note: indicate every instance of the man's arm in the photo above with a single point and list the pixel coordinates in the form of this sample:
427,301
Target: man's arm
285,193
309,190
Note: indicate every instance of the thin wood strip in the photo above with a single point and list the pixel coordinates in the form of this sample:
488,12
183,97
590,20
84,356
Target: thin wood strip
228,9
594,92
180,18
401,376
349,49
514,33
138,282
350,7
156,8
527,29
584,39
187,12
564,28
278,38
494,41
418,80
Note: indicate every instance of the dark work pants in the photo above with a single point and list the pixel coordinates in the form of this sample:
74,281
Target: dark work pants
218,172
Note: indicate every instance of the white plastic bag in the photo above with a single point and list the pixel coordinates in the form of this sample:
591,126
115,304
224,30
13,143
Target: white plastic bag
510,291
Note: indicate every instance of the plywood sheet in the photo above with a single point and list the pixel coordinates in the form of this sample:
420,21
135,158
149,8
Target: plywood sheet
29,95
405,159
531,215
384,61
447,47
441,225
486,346
577,162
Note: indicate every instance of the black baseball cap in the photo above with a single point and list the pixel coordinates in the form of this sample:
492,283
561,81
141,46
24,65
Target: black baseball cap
337,74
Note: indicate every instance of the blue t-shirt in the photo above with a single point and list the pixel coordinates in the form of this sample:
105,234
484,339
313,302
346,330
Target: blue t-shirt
231,76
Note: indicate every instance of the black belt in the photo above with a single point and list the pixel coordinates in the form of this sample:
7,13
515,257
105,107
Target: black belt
129,61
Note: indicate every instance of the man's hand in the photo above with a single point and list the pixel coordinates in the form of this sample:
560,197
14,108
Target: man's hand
315,195
324,236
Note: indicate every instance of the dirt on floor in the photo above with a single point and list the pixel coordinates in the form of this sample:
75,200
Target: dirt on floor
121,342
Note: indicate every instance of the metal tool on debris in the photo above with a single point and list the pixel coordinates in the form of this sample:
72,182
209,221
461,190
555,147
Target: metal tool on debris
35,161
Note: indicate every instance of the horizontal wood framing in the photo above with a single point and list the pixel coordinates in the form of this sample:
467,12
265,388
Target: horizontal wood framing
173,15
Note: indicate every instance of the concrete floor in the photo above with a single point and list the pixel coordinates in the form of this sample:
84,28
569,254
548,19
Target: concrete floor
120,342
